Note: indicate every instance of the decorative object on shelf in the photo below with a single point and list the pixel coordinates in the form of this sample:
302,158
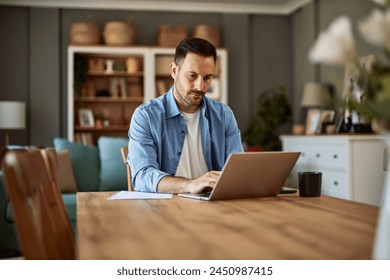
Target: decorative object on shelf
84,33
273,110
352,120
132,64
118,33
95,65
170,36
312,121
298,129
162,64
327,118
12,116
99,121
86,118
209,33
315,97
109,66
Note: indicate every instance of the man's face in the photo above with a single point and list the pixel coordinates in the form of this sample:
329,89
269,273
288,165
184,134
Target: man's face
192,79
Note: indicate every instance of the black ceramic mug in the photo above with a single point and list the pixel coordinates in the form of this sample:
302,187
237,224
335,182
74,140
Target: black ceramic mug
309,183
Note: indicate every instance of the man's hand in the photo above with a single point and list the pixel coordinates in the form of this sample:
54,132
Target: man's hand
172,184
205,181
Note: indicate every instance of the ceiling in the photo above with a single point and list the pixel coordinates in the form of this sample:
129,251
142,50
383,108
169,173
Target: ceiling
279,7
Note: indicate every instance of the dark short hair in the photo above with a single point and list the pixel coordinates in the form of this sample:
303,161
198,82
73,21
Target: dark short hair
194,45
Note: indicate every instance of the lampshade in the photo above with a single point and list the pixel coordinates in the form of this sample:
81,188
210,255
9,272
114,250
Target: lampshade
315,95
12,115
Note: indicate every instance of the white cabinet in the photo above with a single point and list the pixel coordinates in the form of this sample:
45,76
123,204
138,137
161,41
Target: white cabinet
351,165
112,96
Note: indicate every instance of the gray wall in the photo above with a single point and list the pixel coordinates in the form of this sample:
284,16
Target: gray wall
14,64
264,51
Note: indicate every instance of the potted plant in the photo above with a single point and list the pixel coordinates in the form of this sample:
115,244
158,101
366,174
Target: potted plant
273,111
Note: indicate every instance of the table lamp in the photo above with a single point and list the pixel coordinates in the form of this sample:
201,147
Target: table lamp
12,116
315,95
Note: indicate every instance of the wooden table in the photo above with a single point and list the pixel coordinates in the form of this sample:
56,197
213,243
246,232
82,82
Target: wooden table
283,227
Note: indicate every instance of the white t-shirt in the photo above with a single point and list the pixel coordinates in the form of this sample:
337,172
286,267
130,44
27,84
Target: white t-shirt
192,163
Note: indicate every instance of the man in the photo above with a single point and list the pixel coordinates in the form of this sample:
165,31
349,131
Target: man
180,141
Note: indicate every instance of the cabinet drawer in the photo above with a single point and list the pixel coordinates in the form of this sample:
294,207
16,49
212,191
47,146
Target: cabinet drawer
335,184
335,157
321,156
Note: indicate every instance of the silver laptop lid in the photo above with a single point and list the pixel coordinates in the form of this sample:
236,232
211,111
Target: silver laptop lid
252,174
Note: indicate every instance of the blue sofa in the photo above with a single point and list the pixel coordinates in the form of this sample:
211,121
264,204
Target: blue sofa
95,168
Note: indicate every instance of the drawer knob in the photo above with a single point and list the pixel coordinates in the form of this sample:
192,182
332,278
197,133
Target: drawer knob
335,156
317,155
335,183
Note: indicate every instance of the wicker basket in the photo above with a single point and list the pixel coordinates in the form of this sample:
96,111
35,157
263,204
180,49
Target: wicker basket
170,36
83,33
118,33
209,33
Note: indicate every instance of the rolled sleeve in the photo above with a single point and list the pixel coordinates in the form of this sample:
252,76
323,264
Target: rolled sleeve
142,156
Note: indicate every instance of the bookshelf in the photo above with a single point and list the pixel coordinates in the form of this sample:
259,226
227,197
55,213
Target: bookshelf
111,82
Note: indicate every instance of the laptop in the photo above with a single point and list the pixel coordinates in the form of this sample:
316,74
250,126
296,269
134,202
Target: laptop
251,174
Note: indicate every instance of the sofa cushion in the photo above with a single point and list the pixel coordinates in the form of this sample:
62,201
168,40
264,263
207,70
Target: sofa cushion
66,181
85,163
113,175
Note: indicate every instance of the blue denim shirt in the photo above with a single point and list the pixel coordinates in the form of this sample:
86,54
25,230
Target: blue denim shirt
156,138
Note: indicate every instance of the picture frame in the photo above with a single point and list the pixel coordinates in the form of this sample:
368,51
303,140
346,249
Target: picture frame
312,121
213,91
86,118
326,117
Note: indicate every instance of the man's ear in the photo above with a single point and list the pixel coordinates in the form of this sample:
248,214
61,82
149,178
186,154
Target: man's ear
173,69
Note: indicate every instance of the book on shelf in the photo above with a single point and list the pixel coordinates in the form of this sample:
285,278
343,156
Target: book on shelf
123,87
135,88
85,138
114,87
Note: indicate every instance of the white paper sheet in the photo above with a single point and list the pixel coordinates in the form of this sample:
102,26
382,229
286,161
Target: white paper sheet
139,195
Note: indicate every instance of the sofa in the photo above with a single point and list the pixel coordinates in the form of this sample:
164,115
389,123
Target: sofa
82,168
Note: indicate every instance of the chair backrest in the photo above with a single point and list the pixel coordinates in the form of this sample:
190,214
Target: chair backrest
64,237
124,153
25,201
47,213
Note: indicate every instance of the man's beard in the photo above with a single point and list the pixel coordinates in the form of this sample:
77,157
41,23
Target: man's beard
186,98
190,102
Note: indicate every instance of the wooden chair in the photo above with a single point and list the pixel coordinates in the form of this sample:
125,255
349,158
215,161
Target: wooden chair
64,237
43,206
124,153
25,200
